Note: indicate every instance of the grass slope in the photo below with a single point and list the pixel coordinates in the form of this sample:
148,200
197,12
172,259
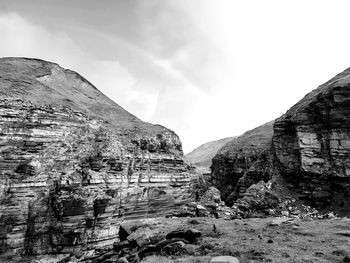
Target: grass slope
43,82
203,155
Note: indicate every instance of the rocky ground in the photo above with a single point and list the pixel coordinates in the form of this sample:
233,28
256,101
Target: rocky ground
274,239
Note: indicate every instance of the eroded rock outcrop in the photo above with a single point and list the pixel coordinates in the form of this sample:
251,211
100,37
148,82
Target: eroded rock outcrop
242,162
312,143
74,164
309,147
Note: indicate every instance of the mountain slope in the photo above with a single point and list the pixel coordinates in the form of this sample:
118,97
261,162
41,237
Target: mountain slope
235,158
203,155
44,82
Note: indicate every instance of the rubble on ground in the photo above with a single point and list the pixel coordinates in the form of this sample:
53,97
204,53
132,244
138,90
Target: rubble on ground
259,201
138,240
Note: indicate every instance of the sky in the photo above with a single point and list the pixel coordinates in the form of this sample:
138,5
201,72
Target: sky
207,69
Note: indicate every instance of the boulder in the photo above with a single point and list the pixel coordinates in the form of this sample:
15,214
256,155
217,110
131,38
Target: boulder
144,236
201,211
185,210
122,260
279,220
120,245
156,248
174,249
211,195
224,259
346,259
126,228
188,234
257,200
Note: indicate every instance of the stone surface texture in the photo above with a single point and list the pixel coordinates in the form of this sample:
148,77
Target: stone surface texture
74,164
237,165
312,143
309,147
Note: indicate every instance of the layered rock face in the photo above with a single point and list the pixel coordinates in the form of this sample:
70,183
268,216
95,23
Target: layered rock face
309,147
73,164
237,165
312,143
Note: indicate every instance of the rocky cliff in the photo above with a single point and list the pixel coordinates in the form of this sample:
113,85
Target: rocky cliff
312,144
308,147
74,164
236,165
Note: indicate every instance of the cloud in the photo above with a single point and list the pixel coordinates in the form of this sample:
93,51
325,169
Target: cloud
155,62
20,38
167,31
206,69
138,81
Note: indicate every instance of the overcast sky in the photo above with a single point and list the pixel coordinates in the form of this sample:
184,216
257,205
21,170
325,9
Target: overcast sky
206,69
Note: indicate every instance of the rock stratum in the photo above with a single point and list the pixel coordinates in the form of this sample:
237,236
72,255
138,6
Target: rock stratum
239,160
74,164
307,151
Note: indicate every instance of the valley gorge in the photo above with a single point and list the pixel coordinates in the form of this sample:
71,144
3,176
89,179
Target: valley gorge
85,180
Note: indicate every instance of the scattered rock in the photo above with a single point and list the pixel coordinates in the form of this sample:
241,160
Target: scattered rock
330,216
144,236
78,254
257,199
278,221
194,222
120,245
126,228
181,213
224,259
285,255
174,249
186,210
340,252
211,195
201,211
122,260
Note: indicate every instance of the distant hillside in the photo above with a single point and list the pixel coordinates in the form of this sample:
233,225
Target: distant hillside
203,155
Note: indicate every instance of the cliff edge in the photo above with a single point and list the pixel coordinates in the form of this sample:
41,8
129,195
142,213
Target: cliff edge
74,164
307,148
